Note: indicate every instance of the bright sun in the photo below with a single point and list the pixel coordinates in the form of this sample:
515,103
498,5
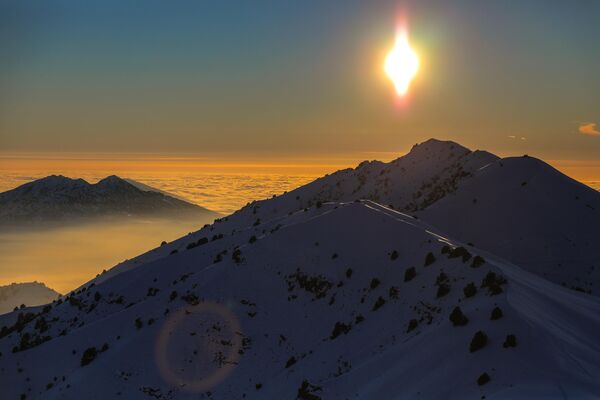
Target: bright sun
402,63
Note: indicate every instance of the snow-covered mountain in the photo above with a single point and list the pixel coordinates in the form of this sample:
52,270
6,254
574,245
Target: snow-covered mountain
526,211
409,183
345,300
27,293
317,294
58,198
519,208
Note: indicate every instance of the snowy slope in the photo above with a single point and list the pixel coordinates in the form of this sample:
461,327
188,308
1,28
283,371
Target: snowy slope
58,198
526,211
313,305
412,182
519,208
28,293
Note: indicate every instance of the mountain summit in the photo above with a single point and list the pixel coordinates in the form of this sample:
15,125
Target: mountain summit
409,183
58,198
519,208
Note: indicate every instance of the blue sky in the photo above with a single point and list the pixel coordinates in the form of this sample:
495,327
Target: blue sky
290,76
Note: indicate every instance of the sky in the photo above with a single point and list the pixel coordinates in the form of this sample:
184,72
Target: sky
277,78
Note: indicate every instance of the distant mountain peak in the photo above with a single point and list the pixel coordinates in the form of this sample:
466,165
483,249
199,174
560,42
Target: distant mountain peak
111,179
115,182
27,293
55,180
57,197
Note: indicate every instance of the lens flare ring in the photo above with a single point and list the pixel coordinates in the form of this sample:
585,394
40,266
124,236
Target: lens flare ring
203,312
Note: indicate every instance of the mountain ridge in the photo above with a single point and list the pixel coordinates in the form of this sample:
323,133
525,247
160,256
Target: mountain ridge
59,198
321,304
305,297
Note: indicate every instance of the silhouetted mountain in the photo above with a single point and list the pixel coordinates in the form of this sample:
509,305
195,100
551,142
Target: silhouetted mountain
58,198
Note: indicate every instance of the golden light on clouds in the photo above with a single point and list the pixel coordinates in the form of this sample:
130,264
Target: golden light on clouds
589,129
401,63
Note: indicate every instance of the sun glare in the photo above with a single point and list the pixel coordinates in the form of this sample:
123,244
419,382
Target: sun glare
402,63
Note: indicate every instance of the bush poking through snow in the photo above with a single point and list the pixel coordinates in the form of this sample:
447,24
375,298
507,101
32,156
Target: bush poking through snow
236,256
191,299
493,283
470,290
291,361
429,259
88,356
496,314
443,283
510,341
443,289
374,283
379,303
410,274
483,379
458,318
306,391
412,325
478,342
460,252
477,262
338,329
317,285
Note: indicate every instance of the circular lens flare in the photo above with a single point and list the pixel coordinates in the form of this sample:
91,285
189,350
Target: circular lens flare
402,63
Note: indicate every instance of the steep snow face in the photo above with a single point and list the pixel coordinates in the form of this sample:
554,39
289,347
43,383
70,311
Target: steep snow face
29,293
59,198
526,211
345,300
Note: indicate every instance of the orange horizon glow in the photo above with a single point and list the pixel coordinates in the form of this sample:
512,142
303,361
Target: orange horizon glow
77,165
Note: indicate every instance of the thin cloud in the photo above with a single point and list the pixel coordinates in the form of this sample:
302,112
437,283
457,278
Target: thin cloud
516,137
589,129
